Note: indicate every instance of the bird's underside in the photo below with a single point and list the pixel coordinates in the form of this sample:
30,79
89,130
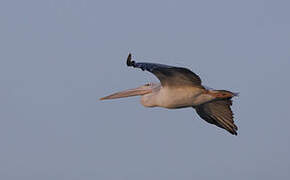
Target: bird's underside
180,88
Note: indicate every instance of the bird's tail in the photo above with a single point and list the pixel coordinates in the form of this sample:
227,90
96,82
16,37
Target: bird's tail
222,93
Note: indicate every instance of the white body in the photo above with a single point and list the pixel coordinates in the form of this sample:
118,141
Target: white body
173,98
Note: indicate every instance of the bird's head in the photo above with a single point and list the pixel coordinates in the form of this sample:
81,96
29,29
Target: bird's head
144,89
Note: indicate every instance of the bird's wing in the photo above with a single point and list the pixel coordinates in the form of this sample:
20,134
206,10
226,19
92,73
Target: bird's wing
168,75
218,113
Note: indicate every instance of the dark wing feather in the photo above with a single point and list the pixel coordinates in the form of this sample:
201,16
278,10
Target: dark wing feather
218,113
168,75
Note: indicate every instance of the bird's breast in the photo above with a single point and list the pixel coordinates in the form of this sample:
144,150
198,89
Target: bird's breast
178,97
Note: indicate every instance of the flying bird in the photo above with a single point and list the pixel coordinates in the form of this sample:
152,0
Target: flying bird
180,88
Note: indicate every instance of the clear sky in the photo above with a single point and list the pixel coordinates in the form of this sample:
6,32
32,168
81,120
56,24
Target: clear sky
57,57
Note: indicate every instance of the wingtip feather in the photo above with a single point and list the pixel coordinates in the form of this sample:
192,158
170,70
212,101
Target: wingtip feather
129,61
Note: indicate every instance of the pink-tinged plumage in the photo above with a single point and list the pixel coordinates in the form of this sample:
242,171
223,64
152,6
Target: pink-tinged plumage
179,88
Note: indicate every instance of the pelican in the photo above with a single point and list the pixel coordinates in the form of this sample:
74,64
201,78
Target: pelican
180,88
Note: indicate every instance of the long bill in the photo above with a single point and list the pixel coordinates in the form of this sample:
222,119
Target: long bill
130,92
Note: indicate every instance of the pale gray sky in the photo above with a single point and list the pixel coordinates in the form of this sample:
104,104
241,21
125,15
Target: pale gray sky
57,57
